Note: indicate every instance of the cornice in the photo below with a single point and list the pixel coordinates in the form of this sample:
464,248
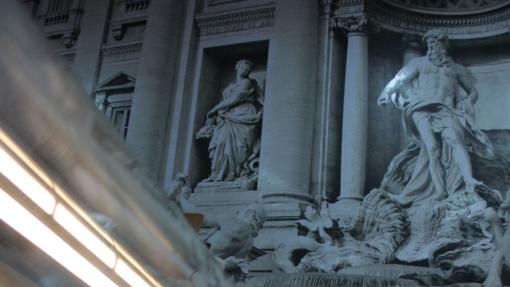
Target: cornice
458,26
210,24
121,52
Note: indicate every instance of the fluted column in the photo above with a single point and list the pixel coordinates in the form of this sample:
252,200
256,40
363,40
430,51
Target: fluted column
355,109
287,131
154,82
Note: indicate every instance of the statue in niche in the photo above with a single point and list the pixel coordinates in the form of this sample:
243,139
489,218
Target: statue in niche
233,128
435,210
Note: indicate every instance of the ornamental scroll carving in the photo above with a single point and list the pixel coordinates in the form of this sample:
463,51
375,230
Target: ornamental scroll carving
352,24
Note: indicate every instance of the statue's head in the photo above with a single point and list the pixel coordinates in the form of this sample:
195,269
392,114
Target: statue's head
244,67
436,39
255,215
437,47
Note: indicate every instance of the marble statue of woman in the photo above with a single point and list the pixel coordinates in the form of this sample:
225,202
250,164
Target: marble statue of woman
232,126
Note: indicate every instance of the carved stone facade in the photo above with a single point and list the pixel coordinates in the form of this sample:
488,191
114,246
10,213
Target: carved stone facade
237,21
61,19
327,157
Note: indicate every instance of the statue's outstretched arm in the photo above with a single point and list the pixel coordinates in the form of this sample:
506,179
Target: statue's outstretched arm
406,74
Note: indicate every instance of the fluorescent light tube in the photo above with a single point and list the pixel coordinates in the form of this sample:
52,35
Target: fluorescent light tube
83,234
129,275
39,234
32,188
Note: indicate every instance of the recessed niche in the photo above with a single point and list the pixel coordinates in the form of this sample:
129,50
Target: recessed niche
217,71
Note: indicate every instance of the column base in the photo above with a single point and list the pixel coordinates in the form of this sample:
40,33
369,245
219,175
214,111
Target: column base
287,196
347,210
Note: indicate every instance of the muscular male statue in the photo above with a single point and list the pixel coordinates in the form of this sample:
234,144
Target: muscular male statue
437,112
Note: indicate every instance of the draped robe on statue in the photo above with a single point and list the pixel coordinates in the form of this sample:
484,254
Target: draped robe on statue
235,133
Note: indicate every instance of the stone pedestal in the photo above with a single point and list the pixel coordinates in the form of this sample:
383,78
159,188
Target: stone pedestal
287,132
220,186
151,100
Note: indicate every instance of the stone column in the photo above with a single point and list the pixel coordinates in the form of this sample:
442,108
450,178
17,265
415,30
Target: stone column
154,84
287,131
355,109
88,46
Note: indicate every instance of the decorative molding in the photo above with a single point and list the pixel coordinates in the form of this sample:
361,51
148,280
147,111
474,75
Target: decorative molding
237,21
460,26
347,7
117,81
127,12
135,5
452,6
219,2
352,24
345,3
63,22
121,52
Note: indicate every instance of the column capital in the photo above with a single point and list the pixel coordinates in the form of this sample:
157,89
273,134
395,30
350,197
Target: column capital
353,24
